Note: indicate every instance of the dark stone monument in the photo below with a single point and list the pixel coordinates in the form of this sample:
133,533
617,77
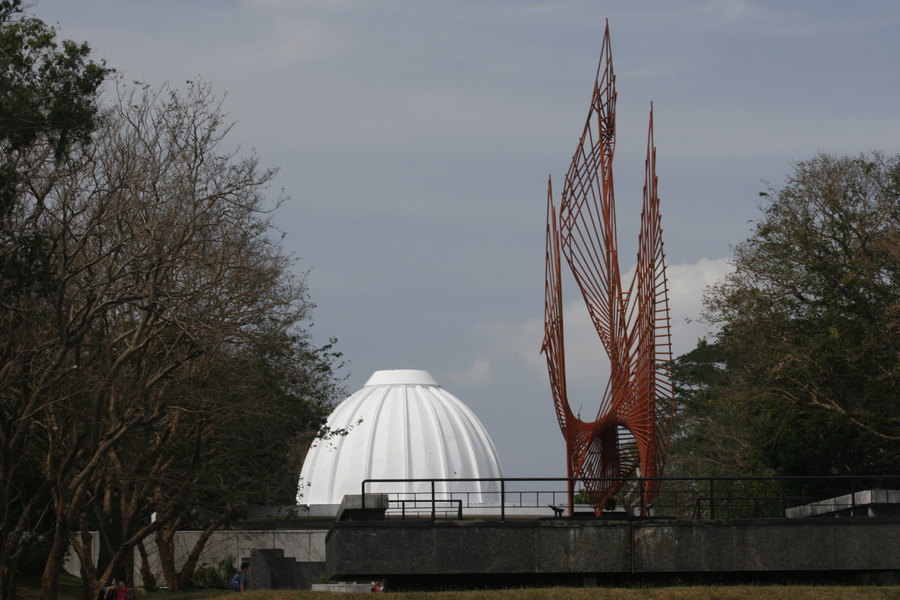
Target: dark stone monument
272,570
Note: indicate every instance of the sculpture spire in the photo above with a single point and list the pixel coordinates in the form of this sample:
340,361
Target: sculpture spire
631,431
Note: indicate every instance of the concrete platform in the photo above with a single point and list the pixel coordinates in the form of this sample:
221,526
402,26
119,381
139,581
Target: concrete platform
588,548
867,503
343,588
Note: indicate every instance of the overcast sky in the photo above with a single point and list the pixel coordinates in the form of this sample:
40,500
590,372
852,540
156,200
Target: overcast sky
415,138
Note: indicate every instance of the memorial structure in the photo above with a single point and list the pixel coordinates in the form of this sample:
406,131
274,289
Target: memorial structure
630,434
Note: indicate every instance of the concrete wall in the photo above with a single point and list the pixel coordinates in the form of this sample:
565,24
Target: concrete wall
375,550
303,545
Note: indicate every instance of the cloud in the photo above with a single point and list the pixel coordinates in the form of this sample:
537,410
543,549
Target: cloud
285,5
587,367
719,13
288,40
773,130
410,110
687,284
273,36
479,372
518,342
713,14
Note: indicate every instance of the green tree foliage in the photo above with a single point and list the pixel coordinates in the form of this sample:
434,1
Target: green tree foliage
48,103
711,435
48,87
809,346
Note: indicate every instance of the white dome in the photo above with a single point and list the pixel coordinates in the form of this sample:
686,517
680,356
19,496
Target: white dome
410,428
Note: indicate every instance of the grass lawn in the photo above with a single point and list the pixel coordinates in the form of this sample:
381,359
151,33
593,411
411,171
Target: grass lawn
70,589
666,593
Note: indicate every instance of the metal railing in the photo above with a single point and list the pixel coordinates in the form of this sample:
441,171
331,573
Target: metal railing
437,506
678,497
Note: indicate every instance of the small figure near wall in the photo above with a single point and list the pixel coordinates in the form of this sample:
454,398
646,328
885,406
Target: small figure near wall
240,581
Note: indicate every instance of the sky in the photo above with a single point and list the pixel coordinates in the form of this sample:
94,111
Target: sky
415,139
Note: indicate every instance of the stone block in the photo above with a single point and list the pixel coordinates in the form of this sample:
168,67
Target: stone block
271,570
294,543
564,546
468,547
317,546
351,508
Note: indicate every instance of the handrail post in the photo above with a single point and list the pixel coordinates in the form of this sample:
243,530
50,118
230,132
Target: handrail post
363,494
783,500
502,499
641,482
433,511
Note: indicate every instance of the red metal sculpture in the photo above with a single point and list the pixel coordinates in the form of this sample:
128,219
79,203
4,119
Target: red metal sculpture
630,435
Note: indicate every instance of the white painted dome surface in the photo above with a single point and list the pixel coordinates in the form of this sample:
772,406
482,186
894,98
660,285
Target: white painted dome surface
411,429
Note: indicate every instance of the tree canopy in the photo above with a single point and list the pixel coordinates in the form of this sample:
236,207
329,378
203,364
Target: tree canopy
807,359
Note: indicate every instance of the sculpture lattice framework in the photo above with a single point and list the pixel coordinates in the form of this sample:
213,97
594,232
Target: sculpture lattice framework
630,435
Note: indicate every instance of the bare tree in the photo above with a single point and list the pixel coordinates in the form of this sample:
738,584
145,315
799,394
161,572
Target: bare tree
164,258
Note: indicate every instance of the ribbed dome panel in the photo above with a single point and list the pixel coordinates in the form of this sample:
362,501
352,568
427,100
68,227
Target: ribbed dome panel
403,425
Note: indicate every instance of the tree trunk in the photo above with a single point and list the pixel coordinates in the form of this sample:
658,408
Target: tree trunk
148,578
56,558
8,564
187,570
11,535
84,548
7,583
165,544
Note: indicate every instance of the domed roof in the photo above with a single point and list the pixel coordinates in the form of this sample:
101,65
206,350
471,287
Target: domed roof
402,425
